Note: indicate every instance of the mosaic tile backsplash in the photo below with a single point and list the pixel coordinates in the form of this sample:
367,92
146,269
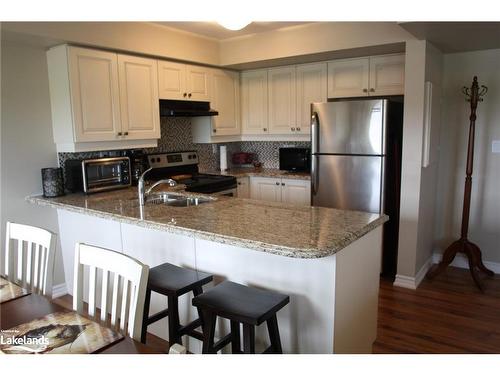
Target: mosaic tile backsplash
176,136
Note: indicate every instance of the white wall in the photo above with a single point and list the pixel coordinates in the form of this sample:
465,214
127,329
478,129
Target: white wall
26,138
484,228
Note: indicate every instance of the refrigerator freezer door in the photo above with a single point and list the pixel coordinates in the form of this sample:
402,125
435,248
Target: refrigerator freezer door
349,127
348,182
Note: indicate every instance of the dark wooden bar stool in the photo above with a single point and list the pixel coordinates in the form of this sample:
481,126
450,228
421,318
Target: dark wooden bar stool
240,304
173,282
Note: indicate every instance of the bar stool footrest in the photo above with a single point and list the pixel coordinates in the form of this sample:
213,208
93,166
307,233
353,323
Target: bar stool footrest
158,316
222,342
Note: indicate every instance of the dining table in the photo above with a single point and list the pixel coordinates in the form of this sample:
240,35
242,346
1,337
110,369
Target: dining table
34,306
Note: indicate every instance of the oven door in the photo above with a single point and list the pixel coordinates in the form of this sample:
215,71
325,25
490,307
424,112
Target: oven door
226,193
105,174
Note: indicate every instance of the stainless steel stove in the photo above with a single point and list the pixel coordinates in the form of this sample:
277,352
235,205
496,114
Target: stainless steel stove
183,168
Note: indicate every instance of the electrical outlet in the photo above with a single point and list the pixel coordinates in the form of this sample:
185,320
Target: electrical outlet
495,147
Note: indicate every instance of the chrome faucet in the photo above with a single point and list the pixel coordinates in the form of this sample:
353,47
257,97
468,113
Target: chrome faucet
143,193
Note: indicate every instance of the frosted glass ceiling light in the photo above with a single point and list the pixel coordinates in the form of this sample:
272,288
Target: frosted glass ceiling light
234,24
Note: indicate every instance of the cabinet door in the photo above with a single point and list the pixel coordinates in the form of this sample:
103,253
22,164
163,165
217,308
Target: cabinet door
297,192
254,102
94,94
171,80
265,189
243,189
198,83
348,78
387,75
226,100
282,100
311,88
139,97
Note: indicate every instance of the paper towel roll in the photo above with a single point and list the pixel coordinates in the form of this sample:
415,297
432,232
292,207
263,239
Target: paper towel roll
223,158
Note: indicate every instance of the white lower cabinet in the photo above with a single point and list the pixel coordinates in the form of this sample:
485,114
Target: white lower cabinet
243,187
297,192
285,190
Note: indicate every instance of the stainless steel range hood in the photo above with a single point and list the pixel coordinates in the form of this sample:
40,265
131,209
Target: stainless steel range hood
185,108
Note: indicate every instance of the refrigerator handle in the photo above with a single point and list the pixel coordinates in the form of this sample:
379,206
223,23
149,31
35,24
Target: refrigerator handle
314,132
314,150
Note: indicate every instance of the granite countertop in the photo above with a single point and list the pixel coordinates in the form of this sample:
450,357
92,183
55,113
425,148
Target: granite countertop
261,172
277,228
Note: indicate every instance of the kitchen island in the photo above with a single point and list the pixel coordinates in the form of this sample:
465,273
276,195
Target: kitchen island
327,260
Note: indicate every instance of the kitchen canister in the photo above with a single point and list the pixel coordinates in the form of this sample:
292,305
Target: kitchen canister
223,158
53,182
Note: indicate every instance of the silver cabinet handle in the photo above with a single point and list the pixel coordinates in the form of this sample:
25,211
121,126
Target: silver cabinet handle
265,129
189,95
298,129
185,94
372,90
293,129
365,90
126,133
215,130
282,184
277,184
120,134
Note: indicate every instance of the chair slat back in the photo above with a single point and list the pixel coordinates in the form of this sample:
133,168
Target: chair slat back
29,257
127,292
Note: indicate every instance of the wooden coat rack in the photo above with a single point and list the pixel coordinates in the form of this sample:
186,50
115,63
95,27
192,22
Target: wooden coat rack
474,95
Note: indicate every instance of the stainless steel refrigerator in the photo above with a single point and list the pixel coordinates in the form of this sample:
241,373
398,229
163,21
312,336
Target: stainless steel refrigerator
355,158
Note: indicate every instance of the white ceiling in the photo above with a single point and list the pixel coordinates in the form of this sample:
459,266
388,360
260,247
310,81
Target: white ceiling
215,31
452,37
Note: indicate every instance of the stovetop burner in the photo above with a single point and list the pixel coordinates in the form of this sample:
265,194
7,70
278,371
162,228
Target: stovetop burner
173,164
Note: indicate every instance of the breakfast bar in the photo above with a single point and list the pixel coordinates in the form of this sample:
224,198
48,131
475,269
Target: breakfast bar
326,260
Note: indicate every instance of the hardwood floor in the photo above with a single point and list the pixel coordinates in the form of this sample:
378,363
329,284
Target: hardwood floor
151,340
446,315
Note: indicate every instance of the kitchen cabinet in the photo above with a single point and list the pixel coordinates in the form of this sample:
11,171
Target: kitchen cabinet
265,189
138,83
285,190
282,100
254,102
311,88
387,75
95,98
348,77
243,187
101,100
226,100
183,82
367,76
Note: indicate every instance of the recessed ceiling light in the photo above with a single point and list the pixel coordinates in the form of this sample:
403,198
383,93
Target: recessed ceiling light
234,24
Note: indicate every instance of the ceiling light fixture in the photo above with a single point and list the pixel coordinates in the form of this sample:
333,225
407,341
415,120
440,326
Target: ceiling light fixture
234,24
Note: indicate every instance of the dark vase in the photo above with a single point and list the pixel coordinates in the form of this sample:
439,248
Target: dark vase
53,182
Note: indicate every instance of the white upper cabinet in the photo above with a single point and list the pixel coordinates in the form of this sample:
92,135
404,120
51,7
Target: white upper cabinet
367,76
139,97
387,75
183,82
348,78
171,80
282,101
254,102
226,100
101,100
94,95
198,83
311,88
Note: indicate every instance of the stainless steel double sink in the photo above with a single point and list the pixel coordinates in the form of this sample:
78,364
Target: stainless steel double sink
177,200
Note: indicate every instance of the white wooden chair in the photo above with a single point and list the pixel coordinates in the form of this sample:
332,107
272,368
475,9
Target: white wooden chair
29,257
127,292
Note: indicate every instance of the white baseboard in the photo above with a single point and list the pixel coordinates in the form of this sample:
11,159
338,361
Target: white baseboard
460,261
59,290
414,282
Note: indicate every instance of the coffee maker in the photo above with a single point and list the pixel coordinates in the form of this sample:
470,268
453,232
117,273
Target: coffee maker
138,164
